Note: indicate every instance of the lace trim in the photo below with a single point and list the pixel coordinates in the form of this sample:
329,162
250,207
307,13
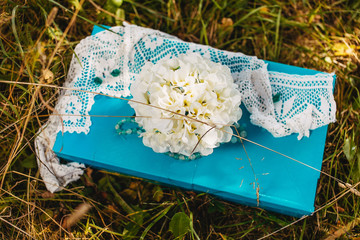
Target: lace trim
305,102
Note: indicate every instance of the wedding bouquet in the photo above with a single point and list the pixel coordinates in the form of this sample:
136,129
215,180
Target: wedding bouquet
192,102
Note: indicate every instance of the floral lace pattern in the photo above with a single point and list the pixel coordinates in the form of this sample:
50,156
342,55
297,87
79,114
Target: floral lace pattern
110,61
305,103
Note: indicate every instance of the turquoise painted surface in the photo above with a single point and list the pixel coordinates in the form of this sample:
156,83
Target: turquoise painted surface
285,186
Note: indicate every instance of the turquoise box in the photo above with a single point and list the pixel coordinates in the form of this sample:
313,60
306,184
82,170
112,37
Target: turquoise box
243,173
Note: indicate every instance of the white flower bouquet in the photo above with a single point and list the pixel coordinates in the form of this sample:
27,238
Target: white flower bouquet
192,102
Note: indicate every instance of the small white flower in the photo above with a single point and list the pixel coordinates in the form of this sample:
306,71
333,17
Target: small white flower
192,86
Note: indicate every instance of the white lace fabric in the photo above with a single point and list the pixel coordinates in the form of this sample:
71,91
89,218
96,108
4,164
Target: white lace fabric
109,62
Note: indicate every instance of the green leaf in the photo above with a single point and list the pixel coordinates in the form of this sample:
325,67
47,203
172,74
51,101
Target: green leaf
29,162
353,156
158,193
75,3
216,206
162,214
132,227
117,3
120,13
349,149
179,224
103,184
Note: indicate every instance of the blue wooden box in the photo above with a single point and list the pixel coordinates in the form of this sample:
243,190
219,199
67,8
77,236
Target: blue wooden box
285,186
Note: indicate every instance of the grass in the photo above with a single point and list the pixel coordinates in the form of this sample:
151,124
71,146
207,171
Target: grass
322,35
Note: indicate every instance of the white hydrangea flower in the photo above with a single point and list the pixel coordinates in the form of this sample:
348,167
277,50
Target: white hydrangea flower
192,86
